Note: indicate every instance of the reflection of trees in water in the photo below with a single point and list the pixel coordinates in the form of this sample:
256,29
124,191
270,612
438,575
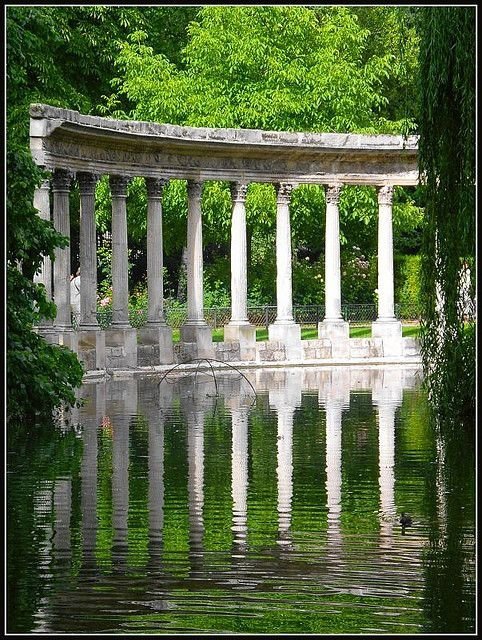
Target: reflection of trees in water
448,560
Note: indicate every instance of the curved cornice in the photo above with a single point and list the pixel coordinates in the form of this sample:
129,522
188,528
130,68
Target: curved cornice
61,138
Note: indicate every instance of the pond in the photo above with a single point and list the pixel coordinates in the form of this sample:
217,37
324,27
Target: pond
268,502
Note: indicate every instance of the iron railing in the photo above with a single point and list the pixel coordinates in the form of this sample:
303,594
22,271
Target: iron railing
263,316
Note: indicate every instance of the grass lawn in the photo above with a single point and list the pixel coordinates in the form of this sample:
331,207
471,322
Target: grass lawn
311,333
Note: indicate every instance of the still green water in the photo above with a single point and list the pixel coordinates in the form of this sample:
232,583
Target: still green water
194,505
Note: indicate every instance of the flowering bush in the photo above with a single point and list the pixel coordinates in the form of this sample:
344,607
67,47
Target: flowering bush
358,277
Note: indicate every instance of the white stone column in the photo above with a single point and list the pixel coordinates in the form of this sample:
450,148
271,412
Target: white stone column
41,201
284,328
155,335
284,286
239,328
88,251
155,284
239,271
120,282
333,325
386,310
61,189
386,325
195,330
195,311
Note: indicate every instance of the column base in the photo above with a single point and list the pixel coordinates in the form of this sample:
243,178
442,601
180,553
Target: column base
120,347
199,335
338,333
91,348
391,333
290,336
386,329
68,338
334,330
155,345
245,334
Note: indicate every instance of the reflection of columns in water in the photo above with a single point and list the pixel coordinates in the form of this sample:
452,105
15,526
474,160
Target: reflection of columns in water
156,484
284,471
386,447
125,408
387,396
334,394
43,504
61,543
88,474
120,488
195,443
285,399
333,470
240,474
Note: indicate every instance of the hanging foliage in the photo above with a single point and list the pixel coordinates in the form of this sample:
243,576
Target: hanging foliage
447,165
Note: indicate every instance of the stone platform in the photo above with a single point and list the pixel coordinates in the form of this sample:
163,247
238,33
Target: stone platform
141,348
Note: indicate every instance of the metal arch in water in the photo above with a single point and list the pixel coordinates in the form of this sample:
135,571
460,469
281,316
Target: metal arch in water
209,362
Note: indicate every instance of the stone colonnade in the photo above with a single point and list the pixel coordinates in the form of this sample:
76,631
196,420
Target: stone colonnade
121,338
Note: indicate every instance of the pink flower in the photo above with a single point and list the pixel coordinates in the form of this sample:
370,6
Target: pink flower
104,302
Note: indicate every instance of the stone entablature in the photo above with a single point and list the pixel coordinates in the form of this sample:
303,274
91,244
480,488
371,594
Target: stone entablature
61,137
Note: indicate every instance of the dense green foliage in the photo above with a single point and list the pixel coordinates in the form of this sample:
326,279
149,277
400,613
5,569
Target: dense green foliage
280,68
39,375
447,162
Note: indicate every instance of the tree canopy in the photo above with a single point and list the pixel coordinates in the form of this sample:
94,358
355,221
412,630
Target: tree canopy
279,68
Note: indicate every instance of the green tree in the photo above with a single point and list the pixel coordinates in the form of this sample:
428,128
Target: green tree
39,375
279,68
447,162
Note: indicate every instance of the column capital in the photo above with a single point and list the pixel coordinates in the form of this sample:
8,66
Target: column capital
87,182
61,180
155,187
385,194
194,189
44,185
283,192
118,186
238,191
333,192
